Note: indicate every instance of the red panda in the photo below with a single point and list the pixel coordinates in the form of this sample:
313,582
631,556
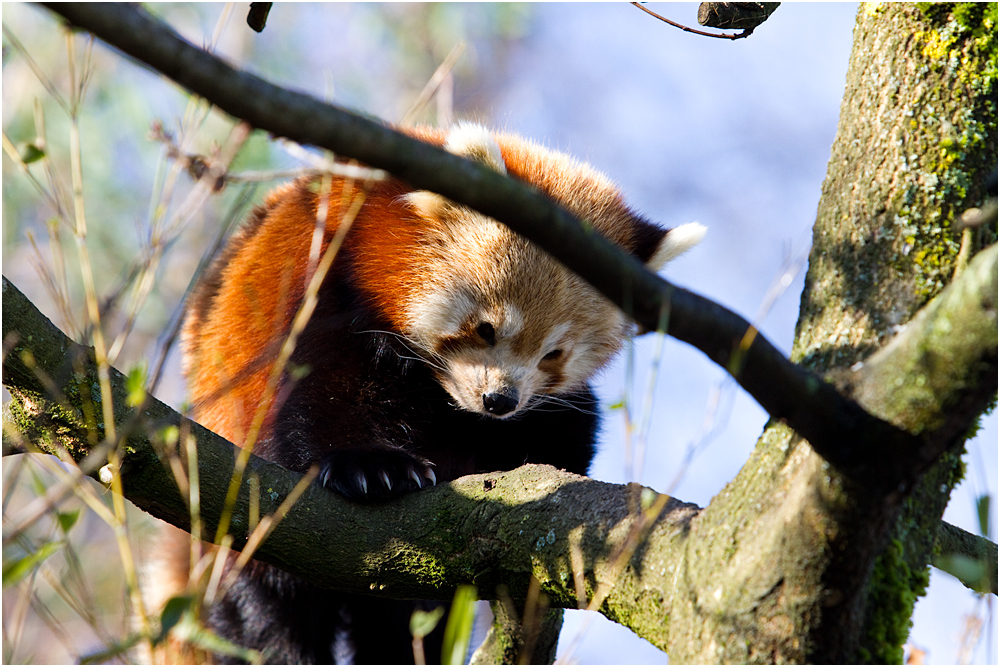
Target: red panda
442,344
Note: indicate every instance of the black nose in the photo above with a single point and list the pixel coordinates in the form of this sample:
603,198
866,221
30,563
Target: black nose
499,404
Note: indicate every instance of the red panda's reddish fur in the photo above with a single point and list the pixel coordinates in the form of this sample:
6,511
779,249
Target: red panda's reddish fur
368,408
227,383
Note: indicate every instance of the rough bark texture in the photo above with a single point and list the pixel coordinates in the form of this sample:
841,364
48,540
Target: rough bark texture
505,643
493,530
748,577
916,146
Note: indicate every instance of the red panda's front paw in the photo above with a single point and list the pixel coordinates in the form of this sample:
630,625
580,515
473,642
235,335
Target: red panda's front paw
375,473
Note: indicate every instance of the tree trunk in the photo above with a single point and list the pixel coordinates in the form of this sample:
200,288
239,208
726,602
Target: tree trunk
791,562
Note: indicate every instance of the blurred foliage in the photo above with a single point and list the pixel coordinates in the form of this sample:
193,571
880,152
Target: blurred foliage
459,628
64,596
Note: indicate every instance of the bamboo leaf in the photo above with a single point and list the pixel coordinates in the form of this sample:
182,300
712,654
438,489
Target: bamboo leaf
14,571
459,629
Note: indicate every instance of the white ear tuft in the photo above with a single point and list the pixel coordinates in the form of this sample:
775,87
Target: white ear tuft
427,204
474,142
677,241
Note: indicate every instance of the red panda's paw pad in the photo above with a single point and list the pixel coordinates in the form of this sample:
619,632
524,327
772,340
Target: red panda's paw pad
367,475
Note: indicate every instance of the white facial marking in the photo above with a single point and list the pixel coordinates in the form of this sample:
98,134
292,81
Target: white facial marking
553,339
512,321
439,313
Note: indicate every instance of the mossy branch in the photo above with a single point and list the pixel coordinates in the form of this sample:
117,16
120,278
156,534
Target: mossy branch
496,528
499,528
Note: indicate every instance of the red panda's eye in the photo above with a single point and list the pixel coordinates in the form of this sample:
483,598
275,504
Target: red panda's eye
487,333
554,354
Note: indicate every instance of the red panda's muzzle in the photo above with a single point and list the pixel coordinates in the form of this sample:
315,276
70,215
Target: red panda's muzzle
487,389
499,403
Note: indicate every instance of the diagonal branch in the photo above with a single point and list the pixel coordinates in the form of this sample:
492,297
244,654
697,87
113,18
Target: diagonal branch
875,453
949,347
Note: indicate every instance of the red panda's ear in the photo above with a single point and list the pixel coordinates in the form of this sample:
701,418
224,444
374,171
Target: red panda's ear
468,140
476,143
674,243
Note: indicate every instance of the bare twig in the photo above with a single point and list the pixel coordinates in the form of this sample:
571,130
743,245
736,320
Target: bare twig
746,32
433,84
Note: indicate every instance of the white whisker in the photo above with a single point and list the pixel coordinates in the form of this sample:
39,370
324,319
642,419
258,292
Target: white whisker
421,353
537,403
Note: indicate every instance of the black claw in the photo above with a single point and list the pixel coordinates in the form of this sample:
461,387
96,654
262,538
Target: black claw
393,471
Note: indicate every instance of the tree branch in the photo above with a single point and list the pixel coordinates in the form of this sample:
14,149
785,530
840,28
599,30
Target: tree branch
876,454
492,529
395,552
971,559
949,347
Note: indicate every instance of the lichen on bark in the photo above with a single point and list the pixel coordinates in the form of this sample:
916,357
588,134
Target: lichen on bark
915,146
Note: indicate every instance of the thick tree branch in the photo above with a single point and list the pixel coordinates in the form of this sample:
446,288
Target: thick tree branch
493,529
865,448
39,357
921,379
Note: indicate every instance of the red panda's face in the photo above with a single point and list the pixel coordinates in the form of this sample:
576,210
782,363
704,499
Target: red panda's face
501,323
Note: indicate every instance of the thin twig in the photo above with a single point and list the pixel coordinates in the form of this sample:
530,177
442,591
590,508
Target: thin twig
432,85
746,33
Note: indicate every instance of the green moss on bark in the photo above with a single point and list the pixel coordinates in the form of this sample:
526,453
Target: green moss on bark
896,588
958,45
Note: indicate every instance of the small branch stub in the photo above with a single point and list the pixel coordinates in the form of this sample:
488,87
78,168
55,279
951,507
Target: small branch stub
257,18
735,15
747,15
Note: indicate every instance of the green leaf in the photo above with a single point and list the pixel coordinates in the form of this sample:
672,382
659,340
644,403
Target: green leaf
30,153
14,571
172,614
422,623
209,641
135,383
983,510
178,614
459,629
969,571
67,519
111,652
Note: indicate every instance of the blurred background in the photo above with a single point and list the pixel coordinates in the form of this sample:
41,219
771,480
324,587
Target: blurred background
735,135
